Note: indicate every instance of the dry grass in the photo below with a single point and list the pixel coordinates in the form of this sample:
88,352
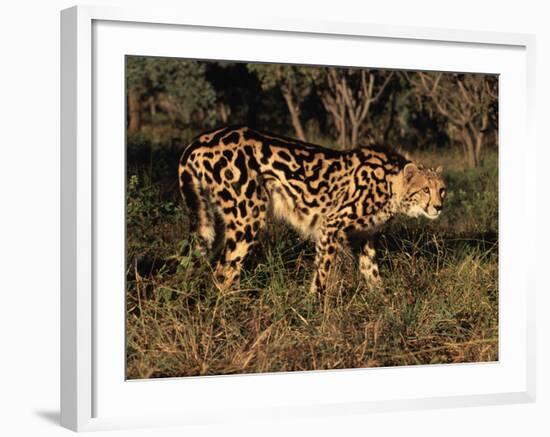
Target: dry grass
439,302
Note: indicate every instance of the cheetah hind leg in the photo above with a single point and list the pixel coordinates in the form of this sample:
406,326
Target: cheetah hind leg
238,243
228,269
202,223
239,239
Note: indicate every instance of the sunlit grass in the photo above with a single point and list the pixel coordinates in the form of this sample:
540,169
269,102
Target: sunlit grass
439,302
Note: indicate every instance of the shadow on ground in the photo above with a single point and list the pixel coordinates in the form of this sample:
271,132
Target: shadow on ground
51,416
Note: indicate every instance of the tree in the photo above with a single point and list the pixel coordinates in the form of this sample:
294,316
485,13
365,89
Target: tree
348,95
295,83
174,86
468,103
134,111
135,81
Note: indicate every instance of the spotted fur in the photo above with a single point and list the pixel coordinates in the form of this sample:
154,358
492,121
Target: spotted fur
233,179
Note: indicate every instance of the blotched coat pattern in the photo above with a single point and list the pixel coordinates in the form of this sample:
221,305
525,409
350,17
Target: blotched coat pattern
232,179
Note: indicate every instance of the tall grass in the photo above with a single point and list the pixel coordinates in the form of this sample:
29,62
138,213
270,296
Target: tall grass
438,304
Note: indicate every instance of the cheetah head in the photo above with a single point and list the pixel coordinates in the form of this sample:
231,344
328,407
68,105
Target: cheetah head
423,191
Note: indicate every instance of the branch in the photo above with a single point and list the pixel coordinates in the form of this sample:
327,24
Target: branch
381,90
465,93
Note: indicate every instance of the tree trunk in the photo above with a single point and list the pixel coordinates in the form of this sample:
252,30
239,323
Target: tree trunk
354,135
134,112
224,110
152,107
478,144
471,159
479,135
343,138
294,115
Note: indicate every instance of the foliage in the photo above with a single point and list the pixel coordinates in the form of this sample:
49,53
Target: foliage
171,99
176,86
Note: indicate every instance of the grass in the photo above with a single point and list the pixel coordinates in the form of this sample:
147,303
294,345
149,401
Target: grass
439,302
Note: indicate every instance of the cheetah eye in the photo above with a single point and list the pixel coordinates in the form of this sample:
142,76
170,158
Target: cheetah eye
426,190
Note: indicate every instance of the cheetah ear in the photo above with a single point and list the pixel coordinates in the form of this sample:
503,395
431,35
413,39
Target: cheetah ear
439,170
409,171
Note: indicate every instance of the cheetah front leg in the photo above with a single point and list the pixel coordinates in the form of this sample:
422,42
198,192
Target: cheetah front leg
326,250
367,263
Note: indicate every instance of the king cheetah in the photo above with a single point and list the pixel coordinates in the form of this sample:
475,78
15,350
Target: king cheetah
242,177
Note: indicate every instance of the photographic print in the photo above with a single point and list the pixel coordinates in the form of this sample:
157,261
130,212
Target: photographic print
285,217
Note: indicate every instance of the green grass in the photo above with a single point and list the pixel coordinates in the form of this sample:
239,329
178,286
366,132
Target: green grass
439,302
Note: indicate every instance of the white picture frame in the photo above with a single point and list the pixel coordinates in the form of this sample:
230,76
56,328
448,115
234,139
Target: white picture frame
93,39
